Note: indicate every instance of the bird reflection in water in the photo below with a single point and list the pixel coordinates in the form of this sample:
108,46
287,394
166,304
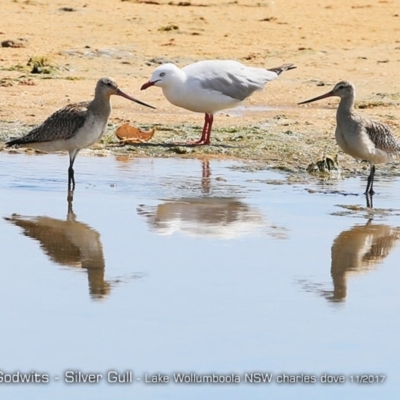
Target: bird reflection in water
69,243
356,251
205,176
223,218
125,162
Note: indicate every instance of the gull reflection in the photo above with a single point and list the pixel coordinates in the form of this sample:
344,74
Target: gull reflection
222,218
356,251
69,243
205,176
126,163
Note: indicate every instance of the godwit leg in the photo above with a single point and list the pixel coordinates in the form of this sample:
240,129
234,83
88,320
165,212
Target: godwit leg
370,183
71,177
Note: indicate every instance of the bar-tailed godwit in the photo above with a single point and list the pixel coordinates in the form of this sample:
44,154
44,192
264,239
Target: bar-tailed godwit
358,136
211,86
75,126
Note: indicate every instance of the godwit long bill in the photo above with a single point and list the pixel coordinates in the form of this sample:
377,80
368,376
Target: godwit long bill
75,126
211,86
358,136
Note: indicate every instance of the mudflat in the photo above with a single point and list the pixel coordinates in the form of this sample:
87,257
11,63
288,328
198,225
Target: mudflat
53,52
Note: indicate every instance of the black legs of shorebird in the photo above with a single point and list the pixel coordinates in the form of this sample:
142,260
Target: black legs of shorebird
71,176
370,183
369,192
359,136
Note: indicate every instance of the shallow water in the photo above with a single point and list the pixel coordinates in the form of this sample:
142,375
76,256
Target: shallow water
181,266
249,109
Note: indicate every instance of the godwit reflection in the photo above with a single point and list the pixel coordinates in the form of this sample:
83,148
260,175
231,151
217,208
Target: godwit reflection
223,218
70,243
357,251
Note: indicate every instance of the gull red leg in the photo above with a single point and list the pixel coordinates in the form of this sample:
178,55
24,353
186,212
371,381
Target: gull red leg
210,119
205,131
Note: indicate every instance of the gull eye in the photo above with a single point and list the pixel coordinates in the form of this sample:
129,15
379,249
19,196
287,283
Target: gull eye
162,74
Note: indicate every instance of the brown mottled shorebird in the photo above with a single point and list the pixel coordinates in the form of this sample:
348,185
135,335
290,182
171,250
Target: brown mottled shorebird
211,86
75,126
358,136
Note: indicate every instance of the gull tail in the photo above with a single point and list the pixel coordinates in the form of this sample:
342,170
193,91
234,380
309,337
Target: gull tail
282,68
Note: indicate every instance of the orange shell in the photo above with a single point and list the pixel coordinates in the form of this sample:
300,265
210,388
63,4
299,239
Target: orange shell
129,134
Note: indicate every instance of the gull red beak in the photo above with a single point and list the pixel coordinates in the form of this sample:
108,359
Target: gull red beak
122,94
147,85
329,94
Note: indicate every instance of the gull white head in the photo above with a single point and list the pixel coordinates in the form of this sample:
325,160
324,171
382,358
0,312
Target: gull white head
163,76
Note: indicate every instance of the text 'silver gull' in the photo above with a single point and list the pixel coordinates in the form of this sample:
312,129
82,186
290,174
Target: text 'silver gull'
211,86
358,136
75,126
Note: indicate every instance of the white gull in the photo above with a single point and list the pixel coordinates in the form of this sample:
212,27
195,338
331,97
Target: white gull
211,86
